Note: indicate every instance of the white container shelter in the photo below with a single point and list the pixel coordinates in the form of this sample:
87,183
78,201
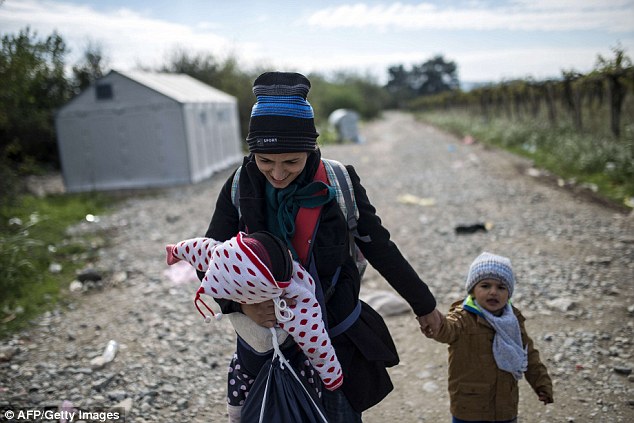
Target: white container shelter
143,129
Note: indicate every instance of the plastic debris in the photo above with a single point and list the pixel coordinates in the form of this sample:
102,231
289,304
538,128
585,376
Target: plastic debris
535,173
111,350
473,228
92,218
89,274
15,221
561,304
109,353
54,267
76,286
67,410
412,199
386,303
605,260
181,273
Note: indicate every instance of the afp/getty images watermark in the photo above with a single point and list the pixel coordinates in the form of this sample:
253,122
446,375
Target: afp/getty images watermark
47,415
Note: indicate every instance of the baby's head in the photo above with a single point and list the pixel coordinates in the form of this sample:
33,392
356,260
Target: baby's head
272,252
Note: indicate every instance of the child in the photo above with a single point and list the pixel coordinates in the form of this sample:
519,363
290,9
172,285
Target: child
489,349
251,269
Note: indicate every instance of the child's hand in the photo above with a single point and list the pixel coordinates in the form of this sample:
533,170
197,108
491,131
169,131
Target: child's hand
545,398
431,323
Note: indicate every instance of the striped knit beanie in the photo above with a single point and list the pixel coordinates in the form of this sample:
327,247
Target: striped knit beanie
491,266
282,119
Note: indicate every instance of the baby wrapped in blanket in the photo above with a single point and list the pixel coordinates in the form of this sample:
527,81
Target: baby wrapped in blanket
239,269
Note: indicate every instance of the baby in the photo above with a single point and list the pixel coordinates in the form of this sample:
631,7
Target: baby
240,269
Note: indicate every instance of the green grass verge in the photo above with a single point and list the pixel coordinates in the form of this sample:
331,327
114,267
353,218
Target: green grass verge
600,160
32,237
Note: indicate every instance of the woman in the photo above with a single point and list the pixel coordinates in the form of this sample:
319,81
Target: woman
275,181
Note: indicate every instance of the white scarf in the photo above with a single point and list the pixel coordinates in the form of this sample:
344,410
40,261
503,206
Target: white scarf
508,351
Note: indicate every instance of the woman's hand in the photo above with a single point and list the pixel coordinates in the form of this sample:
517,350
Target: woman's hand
430,323
264,313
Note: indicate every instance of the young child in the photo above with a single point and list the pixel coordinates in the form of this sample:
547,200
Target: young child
489,349
250,269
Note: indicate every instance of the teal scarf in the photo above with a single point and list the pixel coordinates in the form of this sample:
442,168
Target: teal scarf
283,205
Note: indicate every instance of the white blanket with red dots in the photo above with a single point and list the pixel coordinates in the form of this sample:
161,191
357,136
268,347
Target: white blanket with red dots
234,272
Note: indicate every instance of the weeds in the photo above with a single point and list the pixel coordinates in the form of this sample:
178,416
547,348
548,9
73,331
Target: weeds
32,237
15,249
599,160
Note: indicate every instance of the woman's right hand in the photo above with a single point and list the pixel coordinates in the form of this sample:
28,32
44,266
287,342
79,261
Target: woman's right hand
264,313
261,313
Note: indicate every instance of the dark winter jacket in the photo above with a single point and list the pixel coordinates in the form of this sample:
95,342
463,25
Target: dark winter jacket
366,348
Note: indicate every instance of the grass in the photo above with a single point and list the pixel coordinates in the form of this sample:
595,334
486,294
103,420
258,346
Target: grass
601,161
32,237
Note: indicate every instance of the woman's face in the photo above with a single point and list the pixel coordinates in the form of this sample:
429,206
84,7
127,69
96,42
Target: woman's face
281,169
492,295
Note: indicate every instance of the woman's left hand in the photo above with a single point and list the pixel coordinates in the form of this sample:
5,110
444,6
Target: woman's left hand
430,323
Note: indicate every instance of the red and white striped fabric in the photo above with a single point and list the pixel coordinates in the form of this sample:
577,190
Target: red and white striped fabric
234,272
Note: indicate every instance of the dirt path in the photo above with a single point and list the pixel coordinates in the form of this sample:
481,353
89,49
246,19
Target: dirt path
569,254
574,261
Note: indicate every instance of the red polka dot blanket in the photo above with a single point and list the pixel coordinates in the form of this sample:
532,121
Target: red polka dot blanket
234,272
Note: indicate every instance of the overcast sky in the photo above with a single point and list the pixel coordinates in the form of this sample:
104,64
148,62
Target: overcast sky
488,40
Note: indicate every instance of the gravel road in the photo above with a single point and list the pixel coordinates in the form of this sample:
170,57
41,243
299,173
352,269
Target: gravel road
573,258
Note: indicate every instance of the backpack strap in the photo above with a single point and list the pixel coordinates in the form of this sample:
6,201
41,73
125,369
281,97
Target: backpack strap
345,324
339,176
235,190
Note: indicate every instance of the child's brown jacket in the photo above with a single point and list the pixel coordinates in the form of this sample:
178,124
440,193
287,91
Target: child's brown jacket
478,389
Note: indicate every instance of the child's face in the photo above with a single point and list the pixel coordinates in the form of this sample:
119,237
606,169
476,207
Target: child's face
492,295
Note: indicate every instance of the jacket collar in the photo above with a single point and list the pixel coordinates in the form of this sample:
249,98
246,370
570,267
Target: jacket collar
470,305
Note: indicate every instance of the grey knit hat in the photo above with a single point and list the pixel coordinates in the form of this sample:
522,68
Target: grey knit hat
491,266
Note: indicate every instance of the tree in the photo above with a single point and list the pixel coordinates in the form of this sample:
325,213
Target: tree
615,72
32,86
345,90
434,76
92,67
399,86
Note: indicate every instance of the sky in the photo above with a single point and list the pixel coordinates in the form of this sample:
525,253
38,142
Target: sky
490,41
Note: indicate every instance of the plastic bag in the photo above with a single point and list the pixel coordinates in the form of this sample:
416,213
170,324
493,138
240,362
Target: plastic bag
279,395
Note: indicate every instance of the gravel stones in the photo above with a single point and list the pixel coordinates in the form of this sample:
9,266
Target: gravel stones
574,263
